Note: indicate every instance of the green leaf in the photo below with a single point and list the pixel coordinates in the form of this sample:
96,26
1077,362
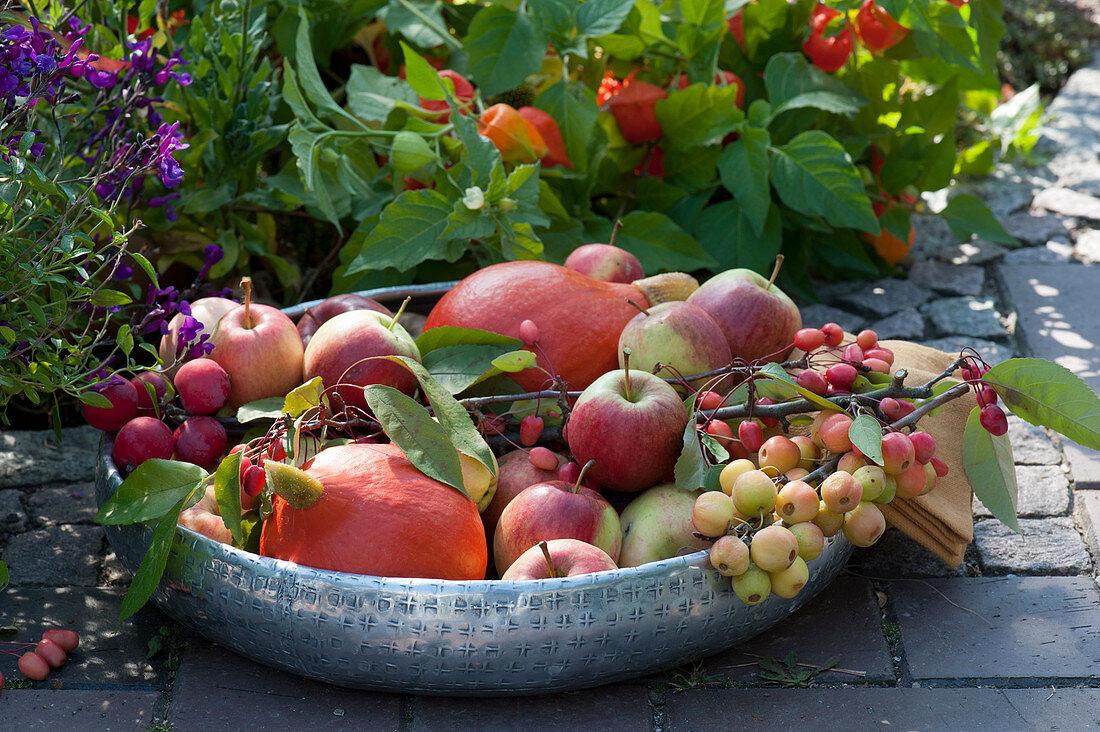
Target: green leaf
967,215
989,468
108,298
267,408
691,467
151,569
1048,394
714,447
410,152
726,233
865,432
423,79
309,79
457,368
775,371
793,82
515,361
600,17
504,48
303,398
407,233
659,244
227,491
744,169
372,95
94,399
423,440
4,576
449,335
689,116
150,491
813,174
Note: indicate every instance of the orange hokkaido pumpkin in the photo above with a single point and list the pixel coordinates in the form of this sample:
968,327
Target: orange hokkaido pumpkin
378,515
579,319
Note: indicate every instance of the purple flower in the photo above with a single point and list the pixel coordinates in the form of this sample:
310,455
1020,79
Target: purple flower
123,271
189,329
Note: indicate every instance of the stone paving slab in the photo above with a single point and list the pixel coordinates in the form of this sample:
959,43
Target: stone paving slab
923,710
215,689
885,297
13,518
1043,490
811,634
68,504
110,652
966,316
951,279
608,707
35,457
1057,320
1031,445
49,711
992,352
1050,546
55,556
999,628
1087,508
896,555
815,316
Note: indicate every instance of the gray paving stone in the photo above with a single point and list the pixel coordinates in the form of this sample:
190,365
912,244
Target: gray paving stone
1056,320
906,325
13,518
1031,445
1009,188
1086,505
885,297
925,710
249,696
111,654
975,251
896,555
969,316
992,352
1071,132
1036,228
1000,627
810,633
931,236
953,279
1042,490
1087,248
609,707
815,316
1069,202
51,710
1053,252
56,556
1048,546
70,504
36,457
114,573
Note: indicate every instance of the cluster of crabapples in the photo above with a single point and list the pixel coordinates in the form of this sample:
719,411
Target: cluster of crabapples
774,510
36,659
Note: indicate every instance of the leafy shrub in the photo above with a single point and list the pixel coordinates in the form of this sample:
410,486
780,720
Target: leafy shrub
1045,41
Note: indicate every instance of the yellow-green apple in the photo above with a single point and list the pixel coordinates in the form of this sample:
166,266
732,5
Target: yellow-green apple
337,353
758,319
555,510
568,558
258,346
515,473
605,262
657,525
676,334
632,424
312,318
206,310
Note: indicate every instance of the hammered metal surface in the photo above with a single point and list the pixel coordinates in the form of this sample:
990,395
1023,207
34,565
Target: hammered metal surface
446,637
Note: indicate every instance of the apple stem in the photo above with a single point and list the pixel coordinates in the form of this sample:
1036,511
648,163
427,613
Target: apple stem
549,561
577,485
246,284
626,372
639,307
775,270
615,232
399,312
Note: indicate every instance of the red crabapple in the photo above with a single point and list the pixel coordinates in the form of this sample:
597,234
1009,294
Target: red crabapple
897,452
864,524
841,375
833,433
876,365
141,439
767,421
67,639
528,332
809,339
789,582
33,666
851,461
530,429
924,446
200,440
811,380
124,403
147,406
780,452
720,431
773,548
751,434
730,555
709,400
913,481
203,386
834,334
543,459
51,652
796,502
853,354
883,354
841,492
867,339
939,466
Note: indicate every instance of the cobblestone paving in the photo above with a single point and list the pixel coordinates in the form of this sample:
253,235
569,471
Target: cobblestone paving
1010,638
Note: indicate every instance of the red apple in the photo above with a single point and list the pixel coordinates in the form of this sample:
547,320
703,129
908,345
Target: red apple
206,310
337,351
515,473
632,424
555,510
676,334
570,558
258,346
605,262
758,318
312,318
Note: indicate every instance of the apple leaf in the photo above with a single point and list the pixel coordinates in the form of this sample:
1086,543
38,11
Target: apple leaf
515,361
1048,394
776,372
150,491
303,398
987,460
266,408
151,569
4,576
691,467
865,432
714,447
449,335
457,368
424,441
227,491
94,399
967,215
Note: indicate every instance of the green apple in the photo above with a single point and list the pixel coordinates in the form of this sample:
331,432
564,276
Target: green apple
657,525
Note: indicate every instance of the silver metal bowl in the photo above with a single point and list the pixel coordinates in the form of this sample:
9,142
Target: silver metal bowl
486,637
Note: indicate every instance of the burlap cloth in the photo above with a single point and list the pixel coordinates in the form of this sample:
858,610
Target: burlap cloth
940,521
